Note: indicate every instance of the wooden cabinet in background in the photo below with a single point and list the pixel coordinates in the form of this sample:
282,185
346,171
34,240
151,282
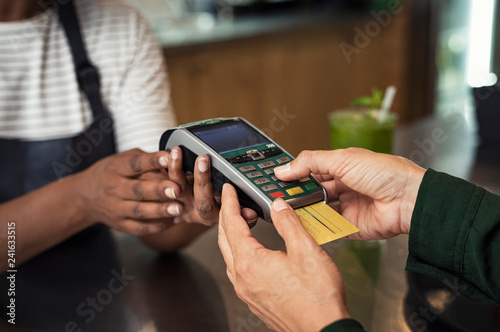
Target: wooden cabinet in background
287,82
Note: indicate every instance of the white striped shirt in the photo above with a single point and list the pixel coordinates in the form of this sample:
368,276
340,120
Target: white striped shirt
39,95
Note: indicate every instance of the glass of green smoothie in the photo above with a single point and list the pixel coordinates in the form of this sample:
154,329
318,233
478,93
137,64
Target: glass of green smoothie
364,127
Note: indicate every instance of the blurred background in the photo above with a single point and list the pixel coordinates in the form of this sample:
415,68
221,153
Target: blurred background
305,58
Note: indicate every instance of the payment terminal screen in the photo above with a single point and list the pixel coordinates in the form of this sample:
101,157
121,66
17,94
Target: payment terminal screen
226,137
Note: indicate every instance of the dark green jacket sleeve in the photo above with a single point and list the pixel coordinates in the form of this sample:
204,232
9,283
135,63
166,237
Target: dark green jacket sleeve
344,325
455,236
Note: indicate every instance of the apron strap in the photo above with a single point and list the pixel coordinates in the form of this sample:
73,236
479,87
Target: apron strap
87,74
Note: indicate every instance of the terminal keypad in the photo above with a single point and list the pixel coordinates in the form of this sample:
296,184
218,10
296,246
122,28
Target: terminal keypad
259,167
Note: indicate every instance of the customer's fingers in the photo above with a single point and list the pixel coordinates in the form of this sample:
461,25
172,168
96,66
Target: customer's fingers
317,162
227,254
290,228
238,234
235,227
333,162
235,239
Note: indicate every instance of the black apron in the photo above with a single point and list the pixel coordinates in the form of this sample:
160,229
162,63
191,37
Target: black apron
51,286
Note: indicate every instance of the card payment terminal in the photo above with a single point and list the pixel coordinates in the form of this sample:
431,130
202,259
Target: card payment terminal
244,156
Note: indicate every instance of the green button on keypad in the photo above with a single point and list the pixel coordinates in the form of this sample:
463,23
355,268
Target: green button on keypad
310,186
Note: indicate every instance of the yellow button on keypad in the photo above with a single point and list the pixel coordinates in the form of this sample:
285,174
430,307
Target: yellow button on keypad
294,191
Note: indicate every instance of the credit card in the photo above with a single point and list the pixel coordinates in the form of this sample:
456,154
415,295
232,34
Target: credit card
324,223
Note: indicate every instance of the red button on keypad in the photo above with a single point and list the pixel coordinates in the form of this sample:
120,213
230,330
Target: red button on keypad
277,194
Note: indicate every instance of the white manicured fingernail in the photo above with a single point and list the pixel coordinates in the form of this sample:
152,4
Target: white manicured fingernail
203,164
279,205
170,192
173,210
282,169
175,154
164,161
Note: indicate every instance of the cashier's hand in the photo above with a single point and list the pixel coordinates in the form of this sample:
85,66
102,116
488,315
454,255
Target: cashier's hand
377,192
195,192
116,191
300,290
